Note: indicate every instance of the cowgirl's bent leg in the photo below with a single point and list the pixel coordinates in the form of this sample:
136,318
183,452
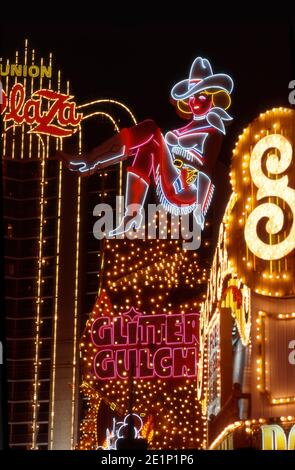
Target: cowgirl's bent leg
116,149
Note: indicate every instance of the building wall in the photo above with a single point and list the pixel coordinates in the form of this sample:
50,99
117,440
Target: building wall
52,262
22,194
278,369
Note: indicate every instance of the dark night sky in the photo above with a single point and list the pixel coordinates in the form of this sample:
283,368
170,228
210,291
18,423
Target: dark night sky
139,63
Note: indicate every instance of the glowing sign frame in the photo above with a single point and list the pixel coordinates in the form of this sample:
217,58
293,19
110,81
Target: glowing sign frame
274,437
268,187
145,341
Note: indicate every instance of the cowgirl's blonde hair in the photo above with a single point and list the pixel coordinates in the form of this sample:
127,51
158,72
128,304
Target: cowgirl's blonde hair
220,98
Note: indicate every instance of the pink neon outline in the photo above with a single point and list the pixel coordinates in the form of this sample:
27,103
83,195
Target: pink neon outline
150,376
126,364
207,192
184,131
197,319
151,326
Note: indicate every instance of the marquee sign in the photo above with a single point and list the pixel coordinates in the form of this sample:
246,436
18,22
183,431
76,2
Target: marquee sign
261,226
142,346
273,434
120,430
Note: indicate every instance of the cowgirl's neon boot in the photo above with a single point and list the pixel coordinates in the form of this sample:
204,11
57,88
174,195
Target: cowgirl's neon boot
136,190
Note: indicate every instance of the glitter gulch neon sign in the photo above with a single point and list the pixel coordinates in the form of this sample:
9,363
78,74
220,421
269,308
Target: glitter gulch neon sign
146,346
57,118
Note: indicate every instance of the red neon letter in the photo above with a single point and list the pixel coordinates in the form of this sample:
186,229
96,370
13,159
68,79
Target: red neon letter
174,329
185,362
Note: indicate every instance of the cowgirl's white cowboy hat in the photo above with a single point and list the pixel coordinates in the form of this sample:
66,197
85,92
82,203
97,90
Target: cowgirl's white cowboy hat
201,78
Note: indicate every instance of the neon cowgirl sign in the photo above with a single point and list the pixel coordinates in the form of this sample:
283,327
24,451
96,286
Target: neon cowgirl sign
120,430
145,345
180,163
57,118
